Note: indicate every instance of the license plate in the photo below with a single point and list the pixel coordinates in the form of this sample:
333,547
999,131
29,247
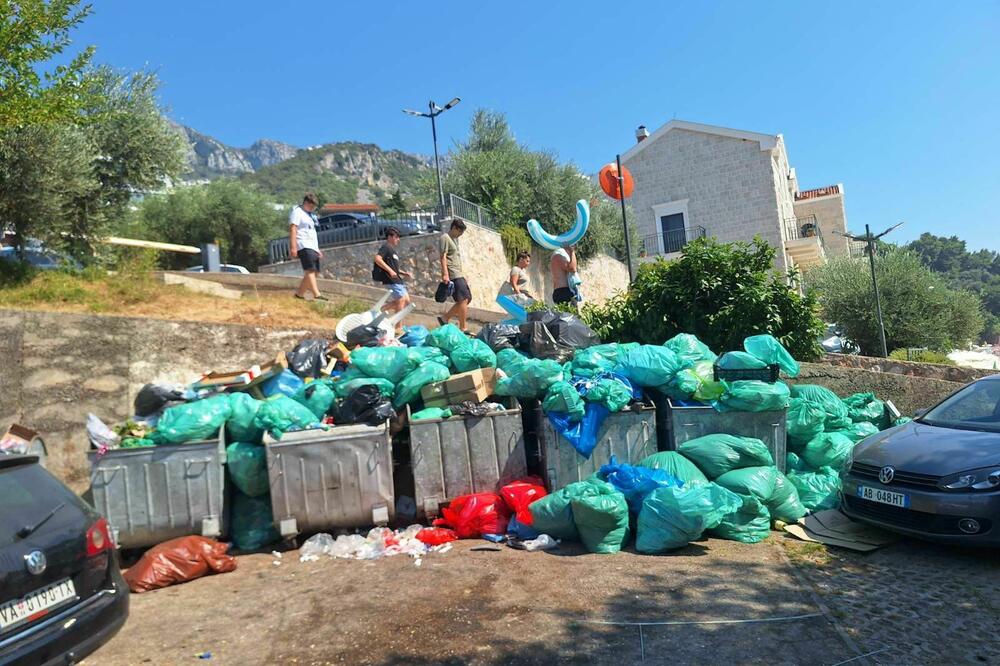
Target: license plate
34,605
883,496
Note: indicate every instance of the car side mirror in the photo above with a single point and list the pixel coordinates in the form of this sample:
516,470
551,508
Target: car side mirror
918,413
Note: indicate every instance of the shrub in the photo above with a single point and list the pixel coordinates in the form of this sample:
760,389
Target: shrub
515,239
921,356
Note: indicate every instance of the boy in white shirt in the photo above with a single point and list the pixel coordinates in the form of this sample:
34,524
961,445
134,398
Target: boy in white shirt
305,245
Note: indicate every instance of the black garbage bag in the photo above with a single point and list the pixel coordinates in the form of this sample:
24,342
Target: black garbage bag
154,398
567,329
537,340
499,336
365,404
363,336
470,408
308,358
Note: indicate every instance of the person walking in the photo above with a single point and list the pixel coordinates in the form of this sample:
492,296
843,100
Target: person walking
304,245
516,285
564,281
386,270
451,272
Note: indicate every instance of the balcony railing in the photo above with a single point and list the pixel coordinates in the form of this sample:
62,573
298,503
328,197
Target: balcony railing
797,228
857,248
669,242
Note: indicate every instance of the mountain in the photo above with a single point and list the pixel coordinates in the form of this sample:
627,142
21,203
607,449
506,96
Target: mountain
209,158
345,172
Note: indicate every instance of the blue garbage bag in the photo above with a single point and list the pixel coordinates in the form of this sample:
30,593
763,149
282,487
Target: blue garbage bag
581,434
287,383
414,336
635,483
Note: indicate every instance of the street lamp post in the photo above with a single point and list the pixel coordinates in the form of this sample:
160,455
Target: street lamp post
869,240
433,111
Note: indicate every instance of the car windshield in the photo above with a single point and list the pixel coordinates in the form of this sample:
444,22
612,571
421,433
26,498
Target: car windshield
27,494
975,407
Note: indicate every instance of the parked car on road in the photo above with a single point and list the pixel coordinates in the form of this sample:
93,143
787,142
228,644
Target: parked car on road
61,592
225,268
38,257
937,477
346,227
834,342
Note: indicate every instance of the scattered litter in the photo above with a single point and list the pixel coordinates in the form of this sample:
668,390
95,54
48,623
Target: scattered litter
378,543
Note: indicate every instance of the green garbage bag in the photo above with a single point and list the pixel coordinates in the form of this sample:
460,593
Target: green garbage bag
708,389
431,354
901,420
611,393
563,398
531,380
865,407
737,360
510,361
795,463
719,453
553,514
246,465
596,359
672,517
828,449
753,396
690,349
408,390
201,419
240,426
392,363
858,431
447,338
251,523
135,443
751,523
768,485
385,387
473,355
804,419
767,348
317,395
827,400
676,466
280,414
429,413
600,514
817,490
648,365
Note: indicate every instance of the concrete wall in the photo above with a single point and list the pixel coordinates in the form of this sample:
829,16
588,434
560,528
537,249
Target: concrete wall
731,185
57,368
831,217
483,261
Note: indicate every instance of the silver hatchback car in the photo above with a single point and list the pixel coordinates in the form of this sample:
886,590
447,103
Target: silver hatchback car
937,477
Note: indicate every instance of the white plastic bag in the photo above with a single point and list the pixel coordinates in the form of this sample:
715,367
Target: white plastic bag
101,435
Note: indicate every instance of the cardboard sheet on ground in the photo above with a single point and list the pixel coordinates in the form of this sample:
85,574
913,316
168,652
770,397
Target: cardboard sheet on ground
833,528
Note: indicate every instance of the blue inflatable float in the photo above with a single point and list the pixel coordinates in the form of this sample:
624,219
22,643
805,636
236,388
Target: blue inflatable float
571,237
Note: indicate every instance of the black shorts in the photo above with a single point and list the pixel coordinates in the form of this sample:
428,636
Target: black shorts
462,291
309,259
563,295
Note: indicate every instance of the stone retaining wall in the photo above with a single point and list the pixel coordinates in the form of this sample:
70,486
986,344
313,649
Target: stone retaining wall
908,393
951,373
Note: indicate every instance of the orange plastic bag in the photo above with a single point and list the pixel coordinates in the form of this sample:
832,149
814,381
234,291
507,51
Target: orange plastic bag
435,536
472,516
178,561
519,494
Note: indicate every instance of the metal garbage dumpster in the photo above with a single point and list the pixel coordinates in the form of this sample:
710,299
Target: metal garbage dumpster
629,436
155,493
689,422
465,454
324,479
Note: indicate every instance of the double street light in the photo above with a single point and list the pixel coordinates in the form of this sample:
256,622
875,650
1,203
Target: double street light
433,111
869,239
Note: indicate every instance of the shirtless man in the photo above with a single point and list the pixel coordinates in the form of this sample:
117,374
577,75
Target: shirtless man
563,264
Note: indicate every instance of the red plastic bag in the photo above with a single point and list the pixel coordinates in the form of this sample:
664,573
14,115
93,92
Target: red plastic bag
472,516
178,561
519,494
435,536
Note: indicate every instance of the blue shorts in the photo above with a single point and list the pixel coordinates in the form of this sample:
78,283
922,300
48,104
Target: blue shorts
398,291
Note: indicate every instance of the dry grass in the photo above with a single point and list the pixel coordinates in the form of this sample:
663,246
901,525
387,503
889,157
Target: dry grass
806,553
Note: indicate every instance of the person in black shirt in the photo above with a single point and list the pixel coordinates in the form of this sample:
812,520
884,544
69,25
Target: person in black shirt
387,271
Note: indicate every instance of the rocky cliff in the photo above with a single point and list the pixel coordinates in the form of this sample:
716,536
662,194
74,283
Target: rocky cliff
210,158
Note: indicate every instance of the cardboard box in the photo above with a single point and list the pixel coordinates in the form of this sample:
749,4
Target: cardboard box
337,353
17,439
475,385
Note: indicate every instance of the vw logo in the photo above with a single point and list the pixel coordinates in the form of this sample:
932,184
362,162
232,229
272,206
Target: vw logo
886,474
35,562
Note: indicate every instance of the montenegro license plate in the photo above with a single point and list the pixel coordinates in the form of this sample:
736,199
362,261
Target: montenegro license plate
884,496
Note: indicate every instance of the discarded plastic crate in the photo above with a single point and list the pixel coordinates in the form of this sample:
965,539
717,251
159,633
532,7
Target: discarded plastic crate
155,493
629,436
463,455
325,479
690,422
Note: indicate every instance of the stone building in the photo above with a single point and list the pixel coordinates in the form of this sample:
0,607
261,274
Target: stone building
694,180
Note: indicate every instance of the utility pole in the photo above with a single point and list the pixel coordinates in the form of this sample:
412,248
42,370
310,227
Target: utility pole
433,111
869,241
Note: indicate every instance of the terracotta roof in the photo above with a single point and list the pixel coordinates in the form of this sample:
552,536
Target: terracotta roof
349,208
818,192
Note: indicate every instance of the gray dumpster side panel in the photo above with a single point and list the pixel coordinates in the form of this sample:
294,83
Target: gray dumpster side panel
629,436
465,455
687,423
152,494
325,479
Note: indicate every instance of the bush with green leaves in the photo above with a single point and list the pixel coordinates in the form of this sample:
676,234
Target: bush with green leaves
720,292
921,356
918,307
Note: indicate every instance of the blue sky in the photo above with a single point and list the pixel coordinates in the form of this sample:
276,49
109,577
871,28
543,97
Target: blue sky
897,101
